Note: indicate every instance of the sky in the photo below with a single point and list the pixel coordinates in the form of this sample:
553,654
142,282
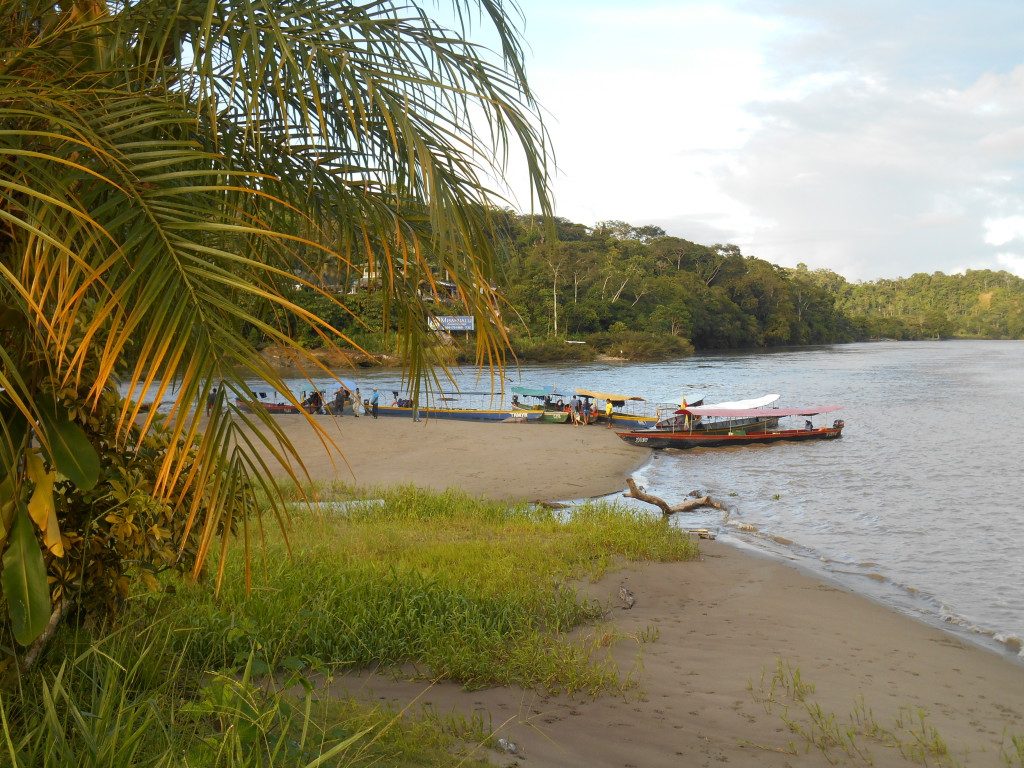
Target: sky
874,138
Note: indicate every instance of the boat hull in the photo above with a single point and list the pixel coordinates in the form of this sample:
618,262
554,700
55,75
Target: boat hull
278,408
555,417
463,414
658,439
546,416
629,421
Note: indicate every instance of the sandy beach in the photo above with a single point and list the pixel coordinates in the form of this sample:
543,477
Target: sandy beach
722,625
518,461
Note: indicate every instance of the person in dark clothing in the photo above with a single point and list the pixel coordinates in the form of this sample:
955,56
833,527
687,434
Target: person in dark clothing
210,400
314,402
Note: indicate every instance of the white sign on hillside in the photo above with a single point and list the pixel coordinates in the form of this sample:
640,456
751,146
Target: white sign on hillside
455,323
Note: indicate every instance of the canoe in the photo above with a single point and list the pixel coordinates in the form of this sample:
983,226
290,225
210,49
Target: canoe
730,431
657,439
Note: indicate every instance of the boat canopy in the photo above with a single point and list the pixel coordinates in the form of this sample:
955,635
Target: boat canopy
748,413
534,391
756,402
605,395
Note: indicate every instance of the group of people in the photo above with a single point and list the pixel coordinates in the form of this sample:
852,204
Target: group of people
582,411
579,410
342,397
315,403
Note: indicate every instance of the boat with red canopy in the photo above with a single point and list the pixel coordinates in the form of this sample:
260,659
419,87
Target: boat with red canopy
699,427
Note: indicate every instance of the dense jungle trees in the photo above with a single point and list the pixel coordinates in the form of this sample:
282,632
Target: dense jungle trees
615,276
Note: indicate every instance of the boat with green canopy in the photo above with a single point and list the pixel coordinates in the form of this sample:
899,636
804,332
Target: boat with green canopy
547,401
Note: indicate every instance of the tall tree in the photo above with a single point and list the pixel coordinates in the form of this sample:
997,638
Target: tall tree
163,169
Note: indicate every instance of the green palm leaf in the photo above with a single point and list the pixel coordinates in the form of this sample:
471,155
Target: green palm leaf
165,169
24,580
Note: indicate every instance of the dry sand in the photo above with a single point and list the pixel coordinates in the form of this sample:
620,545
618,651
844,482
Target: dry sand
720,623
520,461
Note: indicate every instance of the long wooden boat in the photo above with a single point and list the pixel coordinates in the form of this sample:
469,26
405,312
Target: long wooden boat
449,406
717,438
466,414
626,409
253,406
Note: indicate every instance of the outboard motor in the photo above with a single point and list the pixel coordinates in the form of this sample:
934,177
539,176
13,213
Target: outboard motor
838,424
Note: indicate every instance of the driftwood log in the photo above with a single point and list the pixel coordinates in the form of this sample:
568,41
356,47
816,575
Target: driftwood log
666,508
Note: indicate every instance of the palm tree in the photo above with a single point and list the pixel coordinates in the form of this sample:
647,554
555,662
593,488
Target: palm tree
163,168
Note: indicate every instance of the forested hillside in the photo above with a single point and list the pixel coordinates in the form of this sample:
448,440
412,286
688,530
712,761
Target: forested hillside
634,292
979,304
616,276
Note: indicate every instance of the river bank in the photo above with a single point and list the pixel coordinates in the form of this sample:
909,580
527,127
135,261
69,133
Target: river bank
718,625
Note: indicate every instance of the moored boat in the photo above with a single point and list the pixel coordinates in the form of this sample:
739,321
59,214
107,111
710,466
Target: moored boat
713,437
453,405
628,410
692,416
253,406
547,403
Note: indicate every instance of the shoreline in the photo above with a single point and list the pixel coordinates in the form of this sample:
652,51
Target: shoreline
719,623
725,627
924,610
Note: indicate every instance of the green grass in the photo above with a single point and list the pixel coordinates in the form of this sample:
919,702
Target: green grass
454,587
472,591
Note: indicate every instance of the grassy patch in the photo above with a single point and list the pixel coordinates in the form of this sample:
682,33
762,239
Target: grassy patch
471,590
460,588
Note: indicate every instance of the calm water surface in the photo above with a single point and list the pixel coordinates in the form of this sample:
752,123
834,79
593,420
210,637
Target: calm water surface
919,505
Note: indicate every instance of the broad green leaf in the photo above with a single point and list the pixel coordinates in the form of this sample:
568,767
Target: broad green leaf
24,581
72,453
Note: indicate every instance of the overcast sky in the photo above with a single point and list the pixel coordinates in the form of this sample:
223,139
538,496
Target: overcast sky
878,139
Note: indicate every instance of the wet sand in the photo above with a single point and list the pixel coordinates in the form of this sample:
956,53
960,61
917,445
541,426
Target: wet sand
719,623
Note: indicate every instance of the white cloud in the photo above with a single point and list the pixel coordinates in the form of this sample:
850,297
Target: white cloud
878,140
1005,230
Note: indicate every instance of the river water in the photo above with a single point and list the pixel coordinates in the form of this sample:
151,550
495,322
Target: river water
920,505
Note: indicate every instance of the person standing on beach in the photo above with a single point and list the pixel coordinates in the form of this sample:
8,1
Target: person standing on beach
608,412
357,404
374,402
586,411
339,402
210,400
